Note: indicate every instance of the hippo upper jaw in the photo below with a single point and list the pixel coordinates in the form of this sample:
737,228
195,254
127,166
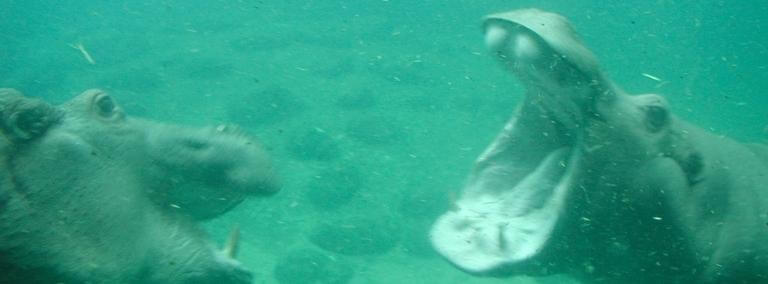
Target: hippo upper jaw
221,165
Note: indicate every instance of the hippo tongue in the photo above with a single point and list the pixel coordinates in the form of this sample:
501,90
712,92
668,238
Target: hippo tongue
499,221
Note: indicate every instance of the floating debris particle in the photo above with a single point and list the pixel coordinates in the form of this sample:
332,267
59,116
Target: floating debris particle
81,48
649,76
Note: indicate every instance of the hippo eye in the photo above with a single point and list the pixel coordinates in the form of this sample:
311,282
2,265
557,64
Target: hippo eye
105,106
656,118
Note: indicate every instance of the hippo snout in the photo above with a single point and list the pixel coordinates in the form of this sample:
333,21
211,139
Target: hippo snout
222,155
222,161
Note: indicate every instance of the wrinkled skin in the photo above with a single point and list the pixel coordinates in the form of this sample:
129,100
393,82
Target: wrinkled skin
606,186
89,195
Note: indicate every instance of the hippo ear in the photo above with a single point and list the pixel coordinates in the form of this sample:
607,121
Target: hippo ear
22,118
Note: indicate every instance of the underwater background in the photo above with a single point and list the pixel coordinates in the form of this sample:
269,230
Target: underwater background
372,110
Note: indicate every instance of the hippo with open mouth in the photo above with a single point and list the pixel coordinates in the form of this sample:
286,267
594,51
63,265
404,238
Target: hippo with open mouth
588,180
90,195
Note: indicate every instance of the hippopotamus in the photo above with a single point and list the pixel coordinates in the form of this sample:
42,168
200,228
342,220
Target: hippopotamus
590,181
91,195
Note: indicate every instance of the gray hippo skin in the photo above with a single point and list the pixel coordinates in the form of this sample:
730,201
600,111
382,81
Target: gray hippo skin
89,195
608,187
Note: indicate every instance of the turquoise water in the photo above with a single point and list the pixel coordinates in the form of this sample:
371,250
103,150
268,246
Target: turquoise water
379,105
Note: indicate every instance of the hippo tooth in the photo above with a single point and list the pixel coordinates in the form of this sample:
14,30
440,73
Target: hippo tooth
526,47
230,248
495,37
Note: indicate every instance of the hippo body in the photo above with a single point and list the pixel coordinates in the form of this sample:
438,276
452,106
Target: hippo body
89,195
588,180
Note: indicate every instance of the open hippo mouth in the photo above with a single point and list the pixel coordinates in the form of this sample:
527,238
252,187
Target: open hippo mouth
516,193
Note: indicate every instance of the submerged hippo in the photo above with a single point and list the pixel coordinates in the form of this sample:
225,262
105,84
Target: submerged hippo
588,180
89,195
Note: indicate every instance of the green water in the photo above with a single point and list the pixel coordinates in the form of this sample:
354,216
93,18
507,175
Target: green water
373,110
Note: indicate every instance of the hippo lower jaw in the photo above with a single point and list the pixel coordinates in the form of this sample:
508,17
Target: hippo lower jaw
181,259
501,221
225,269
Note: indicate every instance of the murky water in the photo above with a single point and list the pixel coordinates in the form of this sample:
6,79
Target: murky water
373,110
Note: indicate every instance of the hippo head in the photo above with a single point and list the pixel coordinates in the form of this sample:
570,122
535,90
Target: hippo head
574,134
89,194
